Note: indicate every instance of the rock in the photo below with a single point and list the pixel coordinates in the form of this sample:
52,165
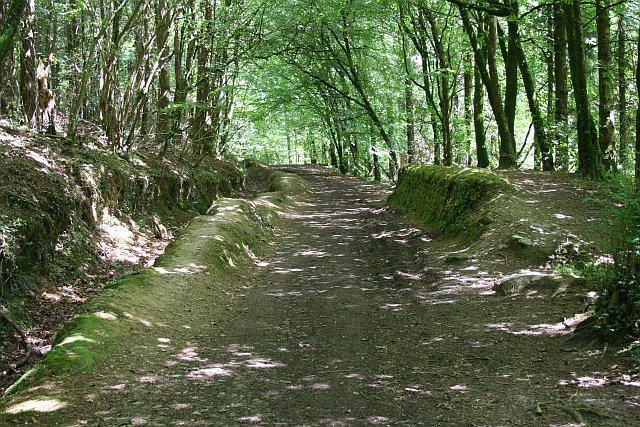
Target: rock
517,241
540,283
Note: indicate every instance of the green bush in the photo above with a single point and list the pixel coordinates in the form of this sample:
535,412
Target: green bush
618,308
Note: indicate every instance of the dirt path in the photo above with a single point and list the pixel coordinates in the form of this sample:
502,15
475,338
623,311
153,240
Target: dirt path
346,320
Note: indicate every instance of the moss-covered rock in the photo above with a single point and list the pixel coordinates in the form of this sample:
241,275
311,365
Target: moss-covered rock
448,198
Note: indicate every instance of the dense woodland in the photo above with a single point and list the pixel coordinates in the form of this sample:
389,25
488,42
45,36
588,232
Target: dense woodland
364,85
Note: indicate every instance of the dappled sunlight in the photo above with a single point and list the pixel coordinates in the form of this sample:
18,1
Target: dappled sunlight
64,293
74,339
565,327
36,405
105,315
190,354
135,318
210,372
182,270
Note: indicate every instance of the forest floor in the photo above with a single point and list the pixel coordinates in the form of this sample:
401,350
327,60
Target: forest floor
352,315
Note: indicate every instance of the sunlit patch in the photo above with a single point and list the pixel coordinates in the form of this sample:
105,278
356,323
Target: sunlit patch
182,270
75,338
118,387
377,420
562,216
164,340
64,293
633,381
449,301
250,419
280,293
139,421
417,389
320,386
181,406
311,253
354,377
190,354
105,315
459,388
585,382
296,387
148,379
393,307
137,319
240,350
261,363
35,405
210,372
287,270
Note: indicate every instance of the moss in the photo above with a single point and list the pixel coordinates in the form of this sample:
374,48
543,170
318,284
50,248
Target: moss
77,350
446,198
289,184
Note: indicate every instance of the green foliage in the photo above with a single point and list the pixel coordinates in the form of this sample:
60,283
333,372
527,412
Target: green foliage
8,229
618,308
446,197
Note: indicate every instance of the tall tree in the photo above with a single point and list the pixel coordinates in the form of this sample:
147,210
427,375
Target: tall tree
605,85
486,59
561,107
589,158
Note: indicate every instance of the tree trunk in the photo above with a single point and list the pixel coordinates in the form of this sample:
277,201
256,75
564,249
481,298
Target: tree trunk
510,56
201,119
589,158
468,114
561,110
623,116
411,133
507,159
478,121
540,134
444,88
638,118
163,22
605,86
10,26
28,83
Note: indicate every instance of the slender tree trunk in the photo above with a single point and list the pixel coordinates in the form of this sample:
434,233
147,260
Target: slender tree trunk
201,120
163,22
28,83
478,121
623,116
444,88
411,133
561,110
510,56
10,26
589,158
638,118
468,112
605,85
540,133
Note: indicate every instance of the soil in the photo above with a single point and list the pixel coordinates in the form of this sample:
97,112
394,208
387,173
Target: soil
352,315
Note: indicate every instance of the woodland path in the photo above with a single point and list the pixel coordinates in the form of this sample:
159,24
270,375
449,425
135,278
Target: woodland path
348,320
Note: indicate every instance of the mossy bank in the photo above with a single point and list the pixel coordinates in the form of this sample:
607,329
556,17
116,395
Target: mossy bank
448,199
210,249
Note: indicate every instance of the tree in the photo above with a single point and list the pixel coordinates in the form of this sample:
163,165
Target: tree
605,85
589,158
9,27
